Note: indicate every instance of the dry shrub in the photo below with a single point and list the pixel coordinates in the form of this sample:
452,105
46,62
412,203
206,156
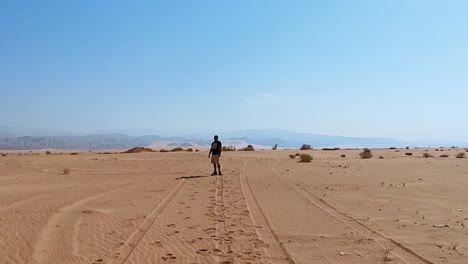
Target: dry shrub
189,150
444,156
306,147
427,155
366,154
437,150
292,156
392,148
66,171
4,154
397,150
381,157
297,154
461,155
48,152
139,150
248,148
305,158
409,154
229,148
74,153
163,150
197,150
177,149
343,155
330,149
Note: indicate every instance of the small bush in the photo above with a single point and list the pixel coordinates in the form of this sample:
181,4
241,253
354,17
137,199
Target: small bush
66,171
461,155
306,147
444,156
381,157
229,148
292,156
248,148
297,154
343,155
4,154
190,150
48,152
74,153
163,150
437,149
366,154
197,150
392,148
427,155
177,149
409,154
305,158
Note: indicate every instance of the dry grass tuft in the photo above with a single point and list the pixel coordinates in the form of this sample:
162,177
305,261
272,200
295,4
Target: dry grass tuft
4,154
297,154
292,156
461,155
74,153
392,148
163,150
366,154
343,156
306,147
305,158
427,155
66,171
48,152
444,156
190,150
409,154
381,157
197,150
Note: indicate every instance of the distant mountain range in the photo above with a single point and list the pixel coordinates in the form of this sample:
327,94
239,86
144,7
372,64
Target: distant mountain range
259,138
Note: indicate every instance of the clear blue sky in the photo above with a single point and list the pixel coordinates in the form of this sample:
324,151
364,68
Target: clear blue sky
356,68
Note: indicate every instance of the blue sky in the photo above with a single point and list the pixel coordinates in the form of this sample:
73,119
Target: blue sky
356,68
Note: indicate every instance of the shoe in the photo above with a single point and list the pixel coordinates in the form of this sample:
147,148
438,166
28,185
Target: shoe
220,173
214,174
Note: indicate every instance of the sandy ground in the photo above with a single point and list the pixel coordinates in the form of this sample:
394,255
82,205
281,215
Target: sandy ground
266,208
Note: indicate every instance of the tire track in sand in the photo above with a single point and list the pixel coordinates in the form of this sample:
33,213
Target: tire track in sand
121,255
400,251
41,246
275,249
220,222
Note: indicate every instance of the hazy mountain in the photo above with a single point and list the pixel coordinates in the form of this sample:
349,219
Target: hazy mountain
260,138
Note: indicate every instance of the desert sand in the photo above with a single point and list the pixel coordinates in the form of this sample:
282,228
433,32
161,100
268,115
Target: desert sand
266,208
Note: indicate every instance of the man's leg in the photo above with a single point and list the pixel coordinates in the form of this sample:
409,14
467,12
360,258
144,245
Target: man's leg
214,172
219,169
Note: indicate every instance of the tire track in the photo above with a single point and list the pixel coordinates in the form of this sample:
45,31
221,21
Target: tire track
51,192
400,251
275,249
122,254
41,246
220,222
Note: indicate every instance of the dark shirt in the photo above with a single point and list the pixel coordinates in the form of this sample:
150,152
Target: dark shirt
216,147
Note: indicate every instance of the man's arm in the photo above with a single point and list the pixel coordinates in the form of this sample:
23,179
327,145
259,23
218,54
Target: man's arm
211,150
220,148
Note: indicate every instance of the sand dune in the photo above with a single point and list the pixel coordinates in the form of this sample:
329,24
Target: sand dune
266,208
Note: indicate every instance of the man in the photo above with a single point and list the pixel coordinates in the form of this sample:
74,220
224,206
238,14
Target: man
215,154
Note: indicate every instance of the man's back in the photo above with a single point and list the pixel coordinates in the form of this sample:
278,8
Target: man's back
216,147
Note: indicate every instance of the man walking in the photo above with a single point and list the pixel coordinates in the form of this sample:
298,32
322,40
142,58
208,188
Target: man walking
215,154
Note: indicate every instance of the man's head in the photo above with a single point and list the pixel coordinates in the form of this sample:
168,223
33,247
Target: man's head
216,138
